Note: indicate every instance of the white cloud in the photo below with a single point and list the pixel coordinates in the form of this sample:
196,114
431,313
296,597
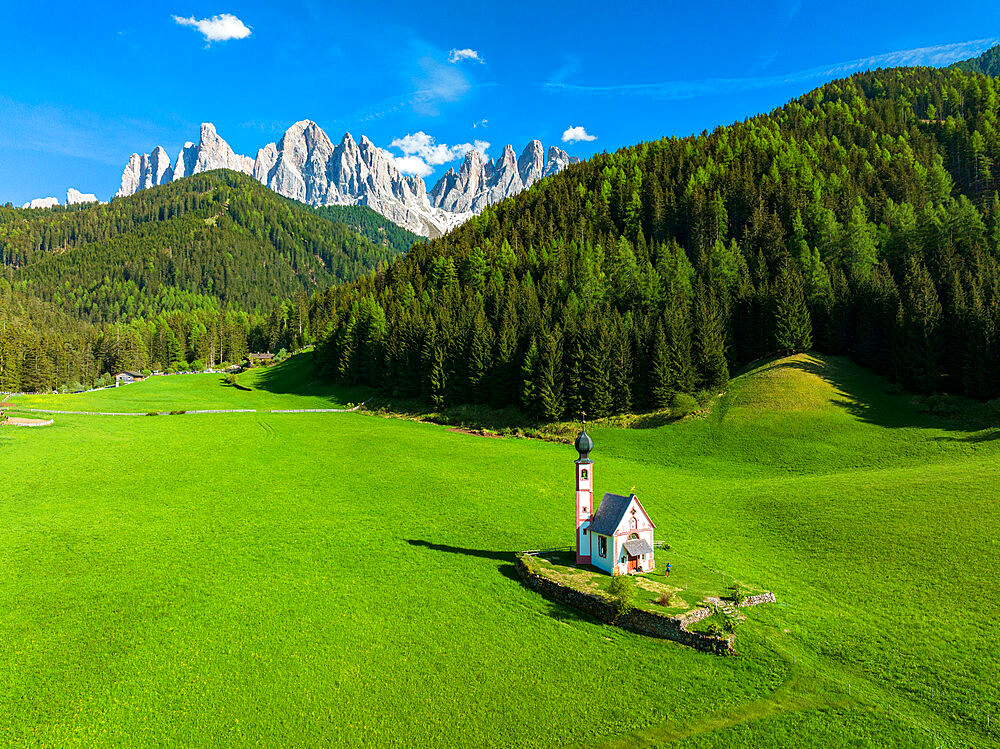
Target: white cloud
482,123
219,28
422,145
411,165
457,55
575,133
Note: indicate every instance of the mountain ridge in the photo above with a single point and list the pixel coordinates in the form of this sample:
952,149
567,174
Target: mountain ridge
305,165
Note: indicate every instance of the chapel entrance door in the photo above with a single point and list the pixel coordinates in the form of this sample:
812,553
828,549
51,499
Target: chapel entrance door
633,563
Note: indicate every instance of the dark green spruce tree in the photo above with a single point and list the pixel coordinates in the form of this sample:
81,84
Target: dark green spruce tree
792,325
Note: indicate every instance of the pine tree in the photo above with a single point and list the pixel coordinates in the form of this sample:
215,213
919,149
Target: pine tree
597,373
680,371
661,389
529,375
479,350
860,248
548,379
36,370
918,335
792,325
622,366
978,354
503,387
437,384
11,355
709,340
573,359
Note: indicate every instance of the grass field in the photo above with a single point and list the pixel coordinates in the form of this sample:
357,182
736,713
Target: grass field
689,583
346,580
285,385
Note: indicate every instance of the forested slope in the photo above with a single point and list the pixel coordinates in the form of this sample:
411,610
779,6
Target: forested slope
862,218
987,63
195,270
218,234
375,227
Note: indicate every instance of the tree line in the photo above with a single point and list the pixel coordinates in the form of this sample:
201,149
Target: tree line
193,272
860,219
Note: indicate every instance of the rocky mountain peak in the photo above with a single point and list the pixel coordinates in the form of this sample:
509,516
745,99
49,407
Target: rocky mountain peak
215,153
508,158
306,165
75,197
531,164
42,203
557,160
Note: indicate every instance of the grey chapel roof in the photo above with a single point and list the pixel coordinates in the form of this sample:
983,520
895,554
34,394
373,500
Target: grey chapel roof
609,514
638,546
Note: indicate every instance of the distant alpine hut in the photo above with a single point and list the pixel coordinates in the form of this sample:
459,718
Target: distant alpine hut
127,378
260,358
618,537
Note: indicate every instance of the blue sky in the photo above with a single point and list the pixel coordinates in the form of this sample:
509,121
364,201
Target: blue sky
83,85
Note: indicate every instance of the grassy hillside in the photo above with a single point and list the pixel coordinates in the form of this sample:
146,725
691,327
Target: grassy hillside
345,580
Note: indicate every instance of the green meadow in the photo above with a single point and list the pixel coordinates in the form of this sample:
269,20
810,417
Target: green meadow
288,385
347,580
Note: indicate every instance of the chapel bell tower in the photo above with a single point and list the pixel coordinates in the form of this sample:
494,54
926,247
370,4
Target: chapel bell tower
584,494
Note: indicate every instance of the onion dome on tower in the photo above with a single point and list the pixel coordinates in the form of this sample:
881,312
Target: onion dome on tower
584,444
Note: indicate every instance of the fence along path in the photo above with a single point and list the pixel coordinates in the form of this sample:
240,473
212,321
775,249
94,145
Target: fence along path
315,410
143,413
199,411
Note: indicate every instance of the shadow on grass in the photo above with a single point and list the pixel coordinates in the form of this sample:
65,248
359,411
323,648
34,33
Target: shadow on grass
558,611
297,376
868,396
979,437
652,421
498,556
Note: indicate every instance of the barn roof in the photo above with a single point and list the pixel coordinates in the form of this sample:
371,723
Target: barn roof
609,514
638,546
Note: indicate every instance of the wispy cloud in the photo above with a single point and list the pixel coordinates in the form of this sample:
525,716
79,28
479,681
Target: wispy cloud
569,68
772,39
423,101
940,55
572,134
436,83
482,123
458,55
69,131
787,10
219,28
